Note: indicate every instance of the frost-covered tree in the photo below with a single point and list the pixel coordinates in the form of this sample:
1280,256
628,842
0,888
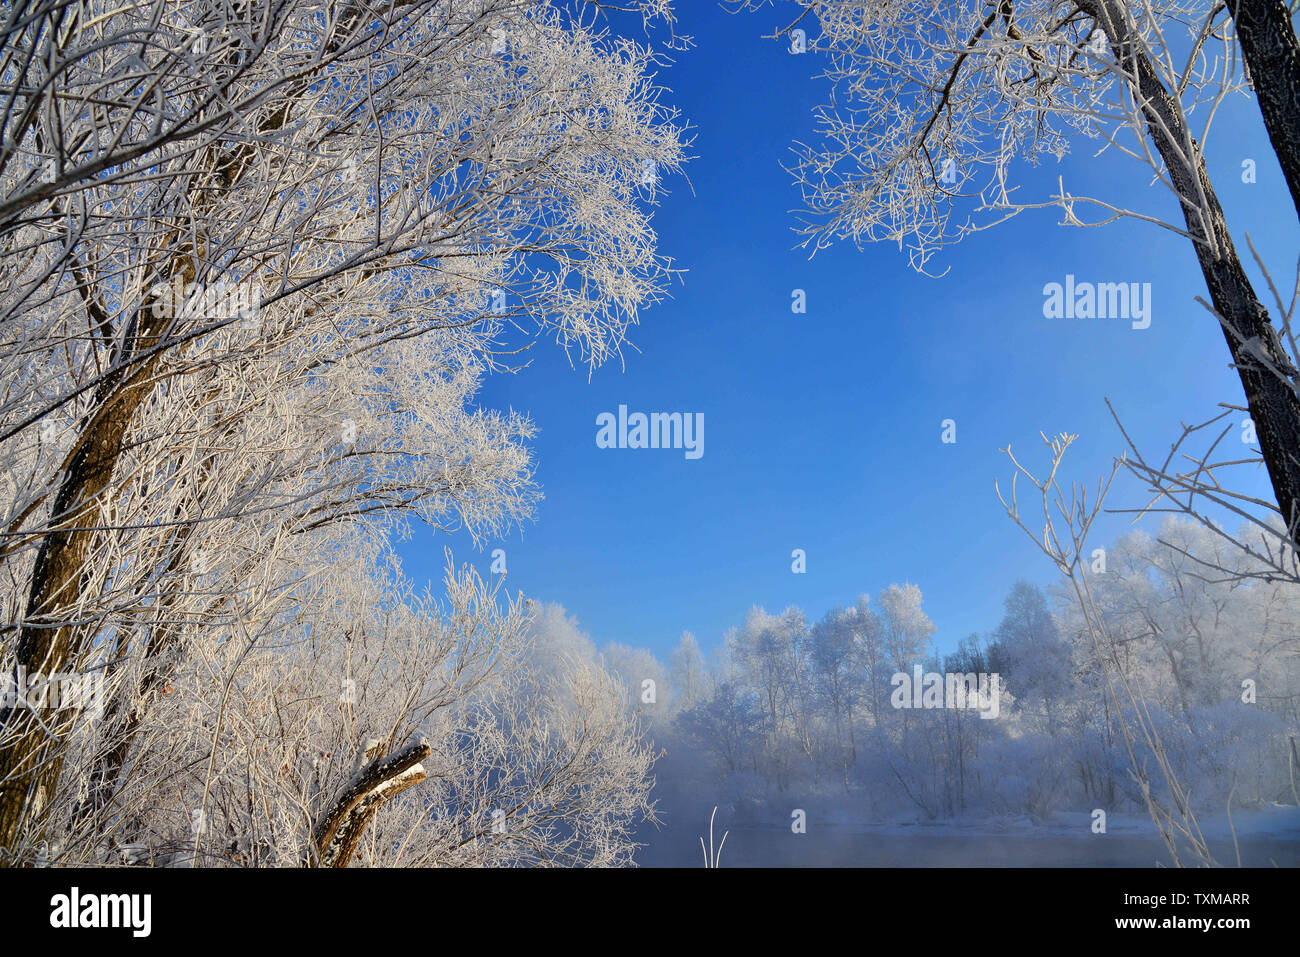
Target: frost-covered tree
556,638
773,653
837,641
646,680
936,108
374,725
1039,662
256,259
905,628
1154,640
688,672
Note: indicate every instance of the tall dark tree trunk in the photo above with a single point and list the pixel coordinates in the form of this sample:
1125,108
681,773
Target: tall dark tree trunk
1267,375
1268,42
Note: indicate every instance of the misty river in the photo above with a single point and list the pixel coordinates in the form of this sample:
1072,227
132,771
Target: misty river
938,846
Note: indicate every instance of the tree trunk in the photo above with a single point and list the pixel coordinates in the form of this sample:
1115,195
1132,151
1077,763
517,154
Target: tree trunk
1268,42
31,756
340,828
31,745
1267,375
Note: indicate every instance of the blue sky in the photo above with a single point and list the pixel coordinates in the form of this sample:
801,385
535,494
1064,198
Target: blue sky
822,431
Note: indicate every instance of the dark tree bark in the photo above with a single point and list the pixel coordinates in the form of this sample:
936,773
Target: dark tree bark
1267,374
1268,42
344,821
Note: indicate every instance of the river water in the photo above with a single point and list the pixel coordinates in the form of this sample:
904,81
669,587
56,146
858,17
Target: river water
853,846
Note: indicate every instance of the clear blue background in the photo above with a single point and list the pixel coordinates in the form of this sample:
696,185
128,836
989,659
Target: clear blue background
822,431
